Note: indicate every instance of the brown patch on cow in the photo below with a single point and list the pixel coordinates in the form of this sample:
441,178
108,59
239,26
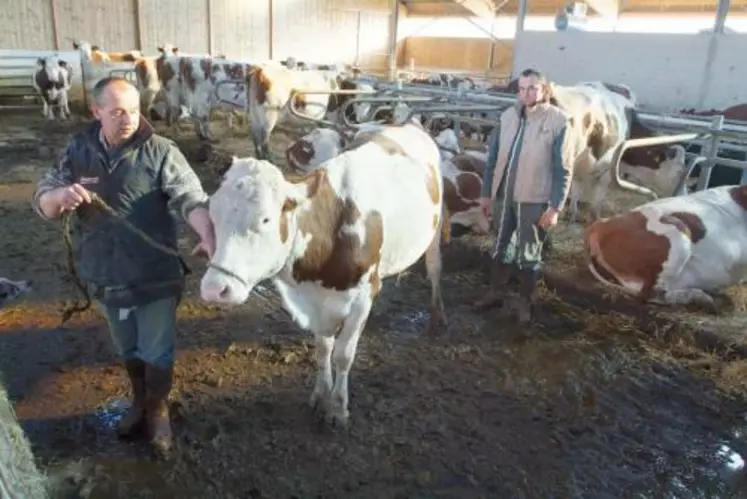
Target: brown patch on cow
469,186
262,84
455,199
300,100
129,57
207,67
300,153
469,163
185,70
739,195
334,257
235,71
165,71
288,206
624,248
689,224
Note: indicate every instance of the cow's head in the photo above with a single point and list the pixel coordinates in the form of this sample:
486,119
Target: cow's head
10,290
657,167
314,148
253,212
167,50
447,142
84,48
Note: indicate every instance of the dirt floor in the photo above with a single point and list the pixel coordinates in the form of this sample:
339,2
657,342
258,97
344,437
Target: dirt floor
600,398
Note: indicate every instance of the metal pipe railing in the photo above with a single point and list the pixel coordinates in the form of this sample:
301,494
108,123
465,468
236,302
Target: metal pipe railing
642,142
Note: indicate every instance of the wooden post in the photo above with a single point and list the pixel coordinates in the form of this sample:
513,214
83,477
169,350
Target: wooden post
139,26
55,25
520,17
392,55
271,29
210,26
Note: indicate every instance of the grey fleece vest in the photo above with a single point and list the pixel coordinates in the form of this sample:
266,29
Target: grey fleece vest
120,267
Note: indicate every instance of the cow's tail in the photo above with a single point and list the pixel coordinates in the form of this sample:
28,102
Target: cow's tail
445,224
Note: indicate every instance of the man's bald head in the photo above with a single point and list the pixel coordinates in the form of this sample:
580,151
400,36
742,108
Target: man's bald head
111,85
115,102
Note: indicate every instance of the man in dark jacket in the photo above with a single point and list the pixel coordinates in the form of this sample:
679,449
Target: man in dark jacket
142,176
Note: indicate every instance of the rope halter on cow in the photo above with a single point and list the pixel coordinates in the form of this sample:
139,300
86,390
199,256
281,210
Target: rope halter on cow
75,307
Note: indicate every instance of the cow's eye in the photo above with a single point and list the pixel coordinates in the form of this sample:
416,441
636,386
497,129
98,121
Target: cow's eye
265,220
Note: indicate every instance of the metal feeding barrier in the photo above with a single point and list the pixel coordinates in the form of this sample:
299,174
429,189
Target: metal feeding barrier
127,74
237,84
714,134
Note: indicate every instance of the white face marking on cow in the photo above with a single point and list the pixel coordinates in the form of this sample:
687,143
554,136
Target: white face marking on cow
314,148
247,211
448,143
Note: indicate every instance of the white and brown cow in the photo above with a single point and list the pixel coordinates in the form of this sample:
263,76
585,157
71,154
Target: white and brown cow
599,121
191,81
327,240
461,173
270,89
52,81
95,54
675,250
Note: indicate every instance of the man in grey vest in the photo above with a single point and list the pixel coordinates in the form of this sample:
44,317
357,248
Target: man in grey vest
525,186
142,176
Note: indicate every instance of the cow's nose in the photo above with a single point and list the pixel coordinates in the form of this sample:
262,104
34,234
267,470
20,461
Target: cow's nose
215,292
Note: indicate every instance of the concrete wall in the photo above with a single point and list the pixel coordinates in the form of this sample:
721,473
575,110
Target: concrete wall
666,71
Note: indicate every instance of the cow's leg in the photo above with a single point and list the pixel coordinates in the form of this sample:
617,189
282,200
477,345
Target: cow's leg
324,343
433,266
343,355
263,122
49,111
64,106
575,197
599,191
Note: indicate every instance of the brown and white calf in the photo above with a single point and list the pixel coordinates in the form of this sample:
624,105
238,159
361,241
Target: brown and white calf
192,81
96,55
327,239
270,89
52,81
461,173
674,250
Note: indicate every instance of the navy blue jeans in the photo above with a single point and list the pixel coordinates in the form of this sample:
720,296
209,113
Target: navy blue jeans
145,332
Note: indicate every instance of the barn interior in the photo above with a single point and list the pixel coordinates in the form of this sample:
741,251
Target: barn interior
601,396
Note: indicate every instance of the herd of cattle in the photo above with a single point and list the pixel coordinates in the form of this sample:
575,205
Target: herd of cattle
601,116
327,238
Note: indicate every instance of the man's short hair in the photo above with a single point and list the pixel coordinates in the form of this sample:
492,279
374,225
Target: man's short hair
97,92
533,72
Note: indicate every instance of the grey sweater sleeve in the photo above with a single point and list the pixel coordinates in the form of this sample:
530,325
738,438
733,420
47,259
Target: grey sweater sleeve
59,175
181,184
561,173
487,177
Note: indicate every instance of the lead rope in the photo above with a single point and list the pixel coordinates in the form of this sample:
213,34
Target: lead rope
75,307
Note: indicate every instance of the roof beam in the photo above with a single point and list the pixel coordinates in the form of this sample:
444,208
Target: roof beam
605,8
480,8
